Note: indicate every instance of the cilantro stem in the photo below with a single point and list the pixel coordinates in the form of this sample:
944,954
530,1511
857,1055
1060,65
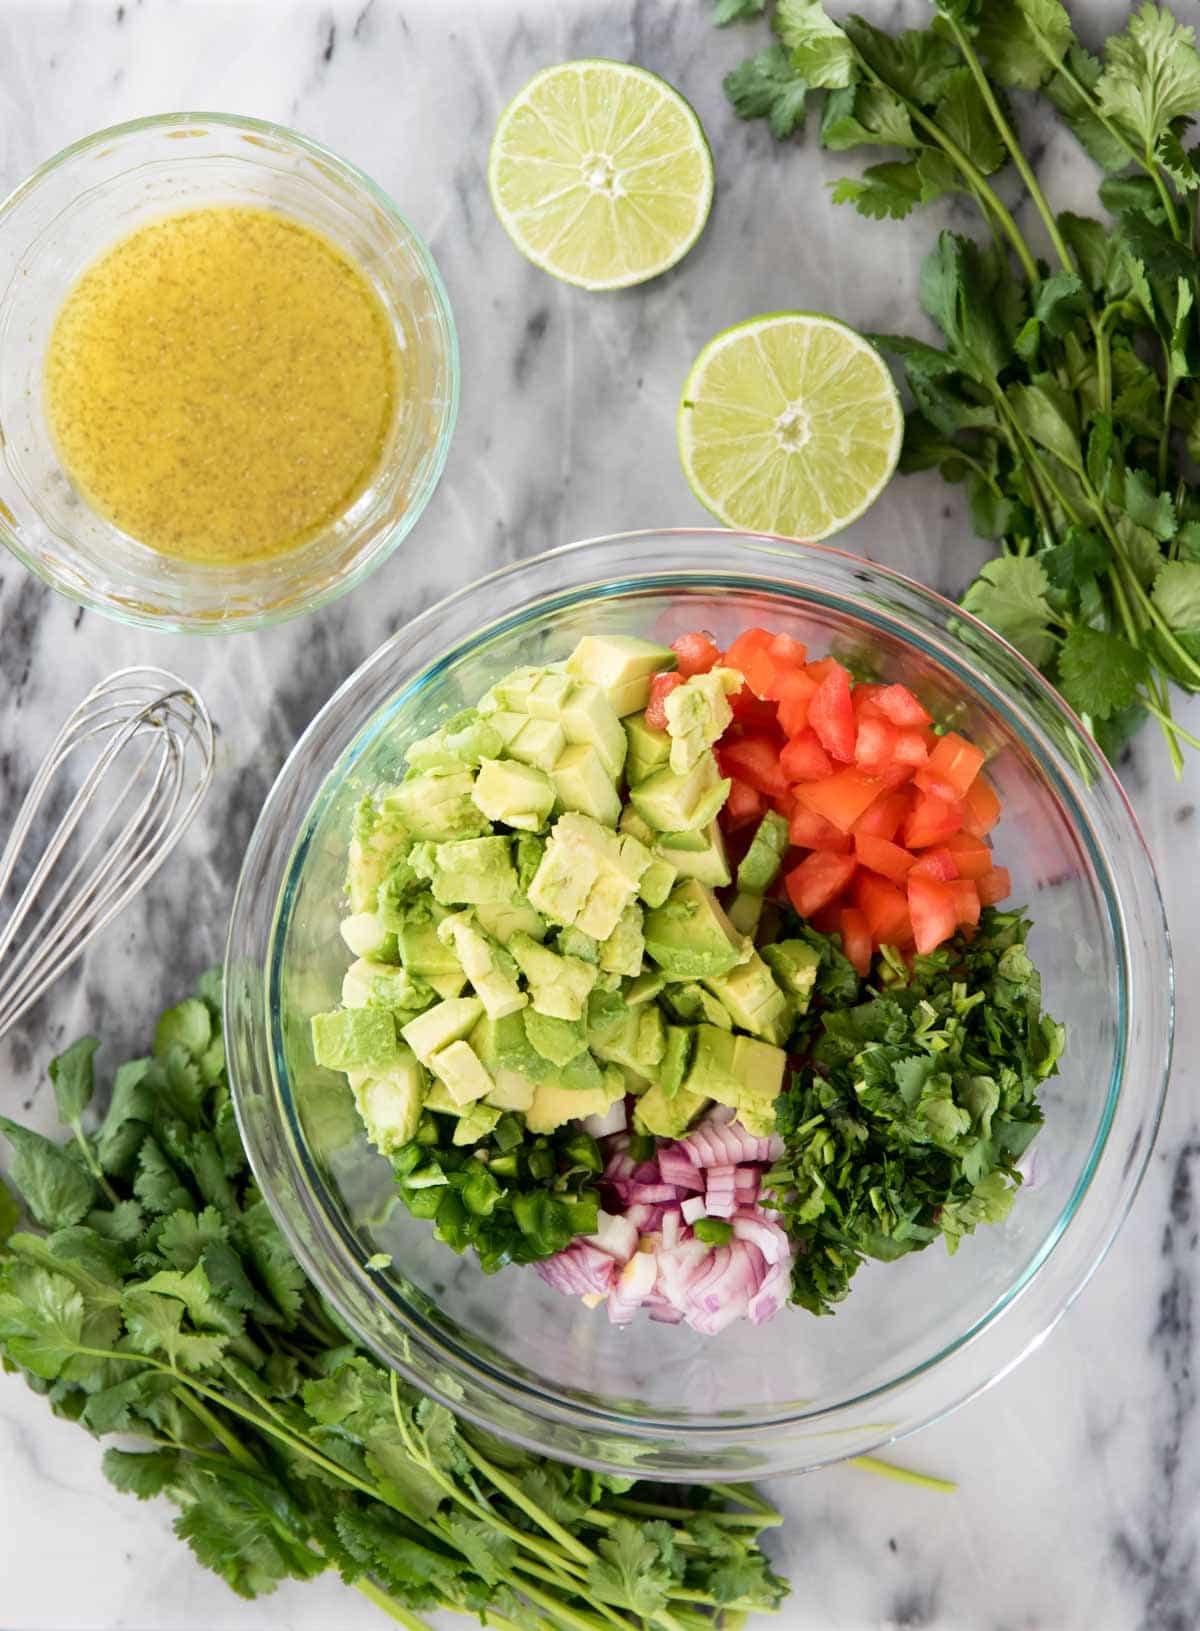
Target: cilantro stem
732,1520
390,1606
903,1475
1164,436
573,1548
1010,141
1170,724
743,1495
93,1165
570,1616
217,1428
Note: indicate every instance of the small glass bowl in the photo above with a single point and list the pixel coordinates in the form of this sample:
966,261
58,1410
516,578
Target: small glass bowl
101,189
914,1338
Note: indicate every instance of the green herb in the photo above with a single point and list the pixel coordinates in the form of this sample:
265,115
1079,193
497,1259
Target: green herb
916,1101
1066,394
161,1302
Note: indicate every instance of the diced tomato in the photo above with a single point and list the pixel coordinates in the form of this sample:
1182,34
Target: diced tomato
744,804
818,879
696,653
911,748
787,650
864,698
803,759
953,761
755,759
982,808
856,939
840,798
936,785
933,910
885,908
901,707
994,886
784,804
751,711
661,686
882,856
931,821
807,830
882,818
829,919
937,863
796,689
822,667
831,714
759,669
875,744
972,856
966,901
744,647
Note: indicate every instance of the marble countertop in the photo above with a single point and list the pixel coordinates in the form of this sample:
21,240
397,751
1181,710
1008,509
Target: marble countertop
1078,1474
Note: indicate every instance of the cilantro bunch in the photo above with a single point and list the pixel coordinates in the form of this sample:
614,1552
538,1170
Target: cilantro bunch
915,1100
157,1299
1065,396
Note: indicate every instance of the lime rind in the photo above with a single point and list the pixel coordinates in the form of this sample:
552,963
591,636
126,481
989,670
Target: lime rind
789,423
600,173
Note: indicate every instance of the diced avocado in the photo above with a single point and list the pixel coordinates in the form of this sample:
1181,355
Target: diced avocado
474,869
355,1038
690,938
633,824
657,881
750,995
621,666
530,849
558,1040
538,743
698,713
379,838
490,969
553,1104
507,725
558,985
438,804
366,936
516,691
438,1027
694,1005
421,952
448,985
463,1072
572,942
794,964
667,1118
676,1060
503,1045
438,1098
680,803
516,794
649,749
512,1091
760,865
644,989
465,739
401,888
701,856
637,1043
476,1125
581,1074
382,985
587,716
582,783
607,1012
587,875
711,1070
760,1069
503,919
622,952
745,912
390,1102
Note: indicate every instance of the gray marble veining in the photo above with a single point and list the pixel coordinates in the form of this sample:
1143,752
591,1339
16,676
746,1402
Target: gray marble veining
1080,1473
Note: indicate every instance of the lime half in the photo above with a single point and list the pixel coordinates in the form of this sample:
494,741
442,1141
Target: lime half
791,424
600,173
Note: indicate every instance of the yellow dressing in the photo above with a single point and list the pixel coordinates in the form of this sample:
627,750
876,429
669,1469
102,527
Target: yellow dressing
221,384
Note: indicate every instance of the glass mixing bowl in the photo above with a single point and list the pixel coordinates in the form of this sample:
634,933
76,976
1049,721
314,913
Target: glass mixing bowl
73,209
914,1338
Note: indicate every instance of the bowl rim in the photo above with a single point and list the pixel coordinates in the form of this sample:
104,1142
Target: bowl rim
430,273
553,1406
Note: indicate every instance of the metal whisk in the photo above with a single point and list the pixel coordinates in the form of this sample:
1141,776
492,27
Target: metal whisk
90,838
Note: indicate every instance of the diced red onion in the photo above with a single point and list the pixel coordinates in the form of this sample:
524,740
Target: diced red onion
672,1224
616,1236
580,1270
693,1208
769,1238
631,1287
651,1194
614,1120
676,1167
646,1173
771,1294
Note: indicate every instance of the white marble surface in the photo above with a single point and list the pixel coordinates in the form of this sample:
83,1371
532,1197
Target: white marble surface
1079,1474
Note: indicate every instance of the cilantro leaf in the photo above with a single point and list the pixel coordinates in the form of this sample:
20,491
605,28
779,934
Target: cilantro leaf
188,1026
155,1326
865,115
767,86
1045,411
821,52
736,11
73,1079
885,191
1151,76
631,1572
127,1120
954,293
490,1553
143,1473
10,1213
1100,673
1068,91
917,64
962,115
1148,508
277,1268
1010,595
53,1185
1176,593
1083,554
1023,41
1090,241
41,1318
